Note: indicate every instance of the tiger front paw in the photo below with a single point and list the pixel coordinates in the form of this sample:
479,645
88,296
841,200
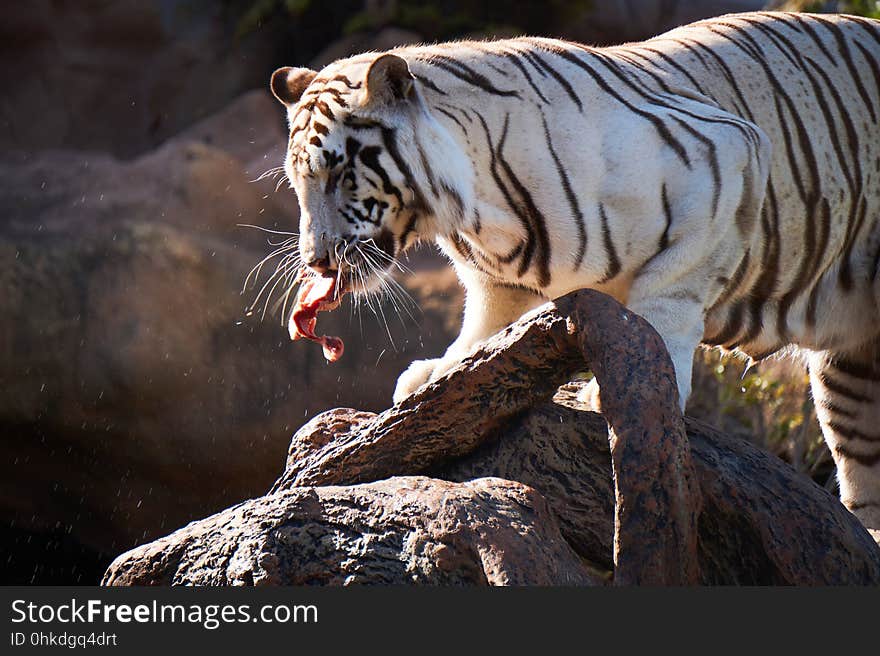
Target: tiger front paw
588,395
417,374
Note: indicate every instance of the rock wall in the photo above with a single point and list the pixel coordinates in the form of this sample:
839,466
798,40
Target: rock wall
132,375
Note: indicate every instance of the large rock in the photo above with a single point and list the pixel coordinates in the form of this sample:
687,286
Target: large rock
402,530
642,499
137,392
121,77
761,522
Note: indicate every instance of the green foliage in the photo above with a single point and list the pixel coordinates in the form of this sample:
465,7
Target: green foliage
260,11
768,404
435,20
868,8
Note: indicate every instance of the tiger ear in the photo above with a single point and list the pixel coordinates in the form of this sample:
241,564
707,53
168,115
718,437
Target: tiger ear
288,83
389,79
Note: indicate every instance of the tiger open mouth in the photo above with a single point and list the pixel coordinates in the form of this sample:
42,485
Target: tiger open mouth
363,266
317,293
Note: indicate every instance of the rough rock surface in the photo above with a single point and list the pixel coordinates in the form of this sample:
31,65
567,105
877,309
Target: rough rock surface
761,523
401,530
634,495
119,77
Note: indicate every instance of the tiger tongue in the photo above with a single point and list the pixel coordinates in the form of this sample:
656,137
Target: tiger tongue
316,294
317,289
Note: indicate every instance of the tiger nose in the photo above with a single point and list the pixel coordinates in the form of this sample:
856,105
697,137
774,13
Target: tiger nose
320,264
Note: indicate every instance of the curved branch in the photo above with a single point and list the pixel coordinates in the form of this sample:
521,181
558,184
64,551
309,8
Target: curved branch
657,500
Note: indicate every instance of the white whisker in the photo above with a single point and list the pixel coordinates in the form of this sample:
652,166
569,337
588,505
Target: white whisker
269,173
261,228
255,271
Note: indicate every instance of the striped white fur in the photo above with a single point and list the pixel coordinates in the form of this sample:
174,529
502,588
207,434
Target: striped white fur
722,180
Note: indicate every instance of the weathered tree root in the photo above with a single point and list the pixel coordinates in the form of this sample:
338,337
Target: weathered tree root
658,502
760,522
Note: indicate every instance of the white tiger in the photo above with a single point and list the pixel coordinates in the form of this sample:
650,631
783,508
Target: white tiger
722,180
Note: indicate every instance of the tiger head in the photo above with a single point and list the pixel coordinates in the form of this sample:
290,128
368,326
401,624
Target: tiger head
359,157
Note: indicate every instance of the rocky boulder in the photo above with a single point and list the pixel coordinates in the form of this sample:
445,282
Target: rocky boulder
121,77
521,482
401,530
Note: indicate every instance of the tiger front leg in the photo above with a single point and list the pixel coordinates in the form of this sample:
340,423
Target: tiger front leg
418,373
678,318
677,315
489,307
681,329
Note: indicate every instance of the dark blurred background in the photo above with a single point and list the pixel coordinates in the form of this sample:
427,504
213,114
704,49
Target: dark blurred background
136,392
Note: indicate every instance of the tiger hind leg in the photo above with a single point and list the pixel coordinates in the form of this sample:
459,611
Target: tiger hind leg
846,390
